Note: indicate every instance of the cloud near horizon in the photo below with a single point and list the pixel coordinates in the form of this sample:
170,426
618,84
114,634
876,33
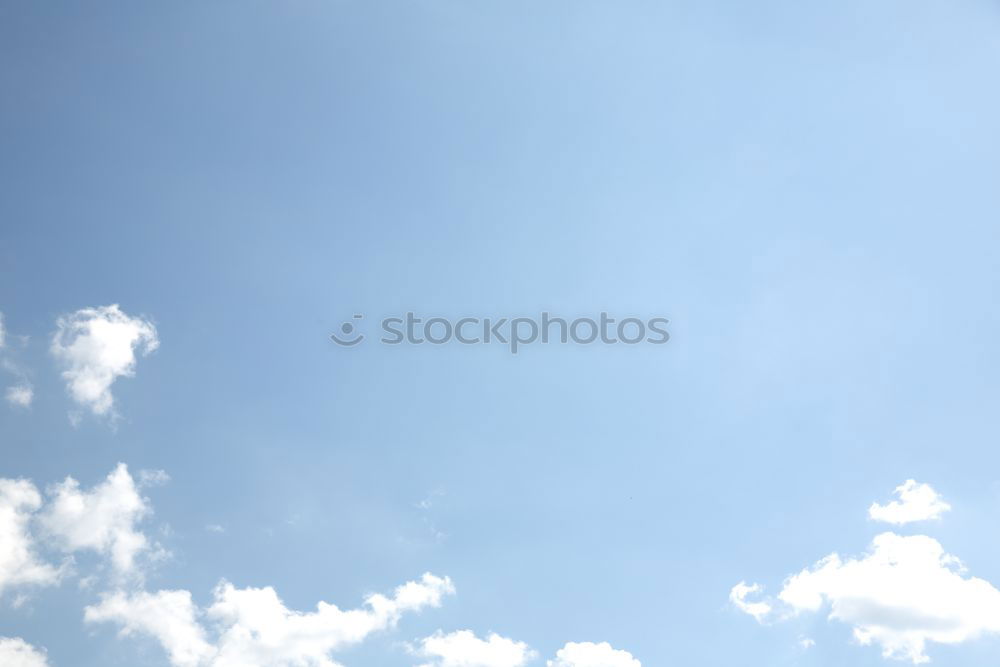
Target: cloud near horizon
241,627
102,520
251,627
906,592
588,654
463,649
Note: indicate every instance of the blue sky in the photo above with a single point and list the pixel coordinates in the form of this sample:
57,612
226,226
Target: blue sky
807,192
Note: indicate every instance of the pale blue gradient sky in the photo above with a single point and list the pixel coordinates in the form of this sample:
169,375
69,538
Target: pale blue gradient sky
808,192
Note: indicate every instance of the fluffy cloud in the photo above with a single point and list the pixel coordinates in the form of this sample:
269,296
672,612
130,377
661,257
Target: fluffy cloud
251,627
19,564
901,595
588,654
96,346
464,649
3,332
904,593
169,616
20,395
103,519
917,502
241,627
18,653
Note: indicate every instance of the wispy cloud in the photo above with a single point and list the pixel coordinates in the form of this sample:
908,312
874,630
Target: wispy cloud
21,394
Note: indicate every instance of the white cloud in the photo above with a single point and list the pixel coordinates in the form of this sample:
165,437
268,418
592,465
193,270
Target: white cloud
917,502
588,654
96,346
19,564
20,395
169,616
253,628
3,332
18,653
103,519
905,593
463,649
738,596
